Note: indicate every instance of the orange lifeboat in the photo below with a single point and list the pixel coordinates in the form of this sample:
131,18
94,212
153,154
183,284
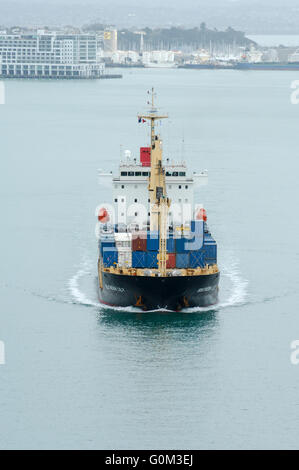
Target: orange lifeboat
103,215
201,214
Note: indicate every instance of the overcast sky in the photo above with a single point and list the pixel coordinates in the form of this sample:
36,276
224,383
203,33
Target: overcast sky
251,16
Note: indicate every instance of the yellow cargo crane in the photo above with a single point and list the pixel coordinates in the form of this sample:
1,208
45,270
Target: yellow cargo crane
159,201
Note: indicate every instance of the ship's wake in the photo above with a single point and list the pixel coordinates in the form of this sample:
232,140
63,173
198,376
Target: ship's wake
76,290
233,291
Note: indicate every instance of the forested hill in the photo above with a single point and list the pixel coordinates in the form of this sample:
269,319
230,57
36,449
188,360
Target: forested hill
176,38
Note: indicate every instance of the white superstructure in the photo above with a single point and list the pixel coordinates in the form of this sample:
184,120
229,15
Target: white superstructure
131,204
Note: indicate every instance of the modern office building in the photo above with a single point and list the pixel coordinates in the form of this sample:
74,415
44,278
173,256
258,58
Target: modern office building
110,40
49,54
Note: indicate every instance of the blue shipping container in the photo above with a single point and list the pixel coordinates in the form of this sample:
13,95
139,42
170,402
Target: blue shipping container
182,260
139,259
153,241
210,250
110,258
170,245
197,259
107,245
181,245
151,259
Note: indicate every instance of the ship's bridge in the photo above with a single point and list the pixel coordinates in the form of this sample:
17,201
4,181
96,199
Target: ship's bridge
130,189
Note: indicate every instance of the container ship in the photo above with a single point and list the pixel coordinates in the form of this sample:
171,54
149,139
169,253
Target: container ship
155,247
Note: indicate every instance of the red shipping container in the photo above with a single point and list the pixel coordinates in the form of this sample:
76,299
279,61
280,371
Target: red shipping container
139,241
170,263
145,156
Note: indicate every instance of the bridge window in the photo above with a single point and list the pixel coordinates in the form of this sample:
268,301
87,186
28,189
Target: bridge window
124,173
175,173
138,173
182,173
131,173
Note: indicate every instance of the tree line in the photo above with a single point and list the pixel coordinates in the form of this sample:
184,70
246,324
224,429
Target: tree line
176,38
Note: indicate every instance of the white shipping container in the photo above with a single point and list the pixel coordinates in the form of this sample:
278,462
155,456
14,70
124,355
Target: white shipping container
123,240
123,236
124,257
123,245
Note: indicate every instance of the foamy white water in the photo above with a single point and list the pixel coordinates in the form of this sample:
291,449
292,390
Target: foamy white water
75,289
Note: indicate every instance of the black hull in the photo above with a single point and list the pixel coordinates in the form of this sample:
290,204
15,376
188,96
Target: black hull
151,293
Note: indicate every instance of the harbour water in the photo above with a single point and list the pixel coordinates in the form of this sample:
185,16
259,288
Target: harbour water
275,40
78,375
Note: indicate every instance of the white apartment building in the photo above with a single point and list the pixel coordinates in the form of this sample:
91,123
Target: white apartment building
49,54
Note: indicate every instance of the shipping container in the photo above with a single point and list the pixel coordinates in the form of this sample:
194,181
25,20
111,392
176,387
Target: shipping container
139,259
182,260
123,240
153,241
139,241
170,263
151,259
124,257
107,245
170,245
197,259
210,250
194,244
181,245
110,258
123,237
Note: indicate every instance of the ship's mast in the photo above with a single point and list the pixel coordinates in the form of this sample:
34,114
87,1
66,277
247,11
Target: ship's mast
157,187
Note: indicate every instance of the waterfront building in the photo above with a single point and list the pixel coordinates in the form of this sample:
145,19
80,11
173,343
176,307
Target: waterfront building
110,40
49,54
